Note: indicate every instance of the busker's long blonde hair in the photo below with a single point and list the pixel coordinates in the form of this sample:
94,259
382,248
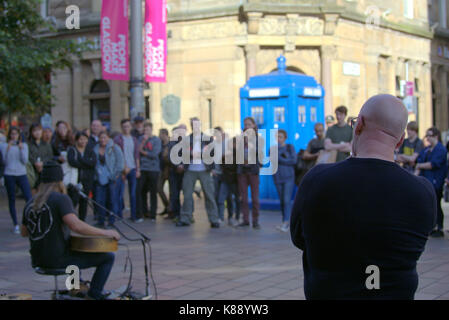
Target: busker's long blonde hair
44,190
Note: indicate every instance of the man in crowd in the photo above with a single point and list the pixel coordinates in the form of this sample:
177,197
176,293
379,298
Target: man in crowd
410,149
365,215
195,170
150,148
130,149
315,145
339,136
176,172
95,128
137,132
164,161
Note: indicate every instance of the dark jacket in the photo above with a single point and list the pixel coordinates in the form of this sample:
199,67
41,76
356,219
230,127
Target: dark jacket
85,164
43,151
91,143
253,168
58,146
438,158
286,164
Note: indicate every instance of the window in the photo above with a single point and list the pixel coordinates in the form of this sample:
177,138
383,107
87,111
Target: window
302,114
313,117
398,83
257,114
100,103
279,114
409,9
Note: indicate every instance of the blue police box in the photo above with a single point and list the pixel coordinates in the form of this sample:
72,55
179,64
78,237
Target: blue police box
282,100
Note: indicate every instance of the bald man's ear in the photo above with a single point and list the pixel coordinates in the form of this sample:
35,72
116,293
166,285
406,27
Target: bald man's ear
360,126
401,141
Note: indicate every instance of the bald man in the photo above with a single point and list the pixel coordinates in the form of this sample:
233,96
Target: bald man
363,223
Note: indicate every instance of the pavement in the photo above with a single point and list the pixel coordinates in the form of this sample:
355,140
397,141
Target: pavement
200,263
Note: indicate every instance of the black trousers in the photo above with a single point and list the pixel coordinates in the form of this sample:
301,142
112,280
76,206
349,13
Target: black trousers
147,183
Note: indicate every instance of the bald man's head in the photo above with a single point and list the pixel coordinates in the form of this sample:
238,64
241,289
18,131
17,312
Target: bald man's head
385,113
380,127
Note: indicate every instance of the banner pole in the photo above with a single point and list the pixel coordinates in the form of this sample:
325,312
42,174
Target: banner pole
137,105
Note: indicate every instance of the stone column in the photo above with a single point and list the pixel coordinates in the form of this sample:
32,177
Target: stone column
425,107
328,53
61,89
391,66
442,109
80,119
251,51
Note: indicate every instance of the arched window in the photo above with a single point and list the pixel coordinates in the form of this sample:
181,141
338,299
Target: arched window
100,108
292,69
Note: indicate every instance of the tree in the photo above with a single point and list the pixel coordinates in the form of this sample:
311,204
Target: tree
27,59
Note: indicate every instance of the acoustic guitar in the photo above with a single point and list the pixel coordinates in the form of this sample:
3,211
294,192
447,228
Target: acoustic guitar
93,244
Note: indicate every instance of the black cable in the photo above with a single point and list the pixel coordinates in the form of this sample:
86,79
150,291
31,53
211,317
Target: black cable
151,270
128,259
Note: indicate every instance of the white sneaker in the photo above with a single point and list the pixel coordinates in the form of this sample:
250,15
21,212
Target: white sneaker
16,229
283,228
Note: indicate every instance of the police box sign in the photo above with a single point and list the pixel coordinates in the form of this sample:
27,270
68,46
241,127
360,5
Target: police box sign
266,92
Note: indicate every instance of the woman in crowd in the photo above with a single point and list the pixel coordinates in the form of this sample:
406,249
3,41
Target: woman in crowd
248,173
432,164
47,135
284,178
40,152
84,159
61,141
109,167
15,157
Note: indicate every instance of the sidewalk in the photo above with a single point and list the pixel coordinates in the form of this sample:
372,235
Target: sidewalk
198,262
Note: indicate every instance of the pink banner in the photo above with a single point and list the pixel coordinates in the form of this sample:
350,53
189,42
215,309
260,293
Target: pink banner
114,40
155,40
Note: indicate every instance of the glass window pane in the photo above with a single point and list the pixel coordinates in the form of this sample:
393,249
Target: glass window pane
313,114
257,114
279,114
302,114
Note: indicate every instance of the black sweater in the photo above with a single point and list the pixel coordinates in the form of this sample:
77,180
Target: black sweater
357,213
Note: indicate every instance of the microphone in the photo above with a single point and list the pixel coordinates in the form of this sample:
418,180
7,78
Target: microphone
79,188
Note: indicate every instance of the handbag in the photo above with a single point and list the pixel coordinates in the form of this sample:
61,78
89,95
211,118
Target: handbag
70,174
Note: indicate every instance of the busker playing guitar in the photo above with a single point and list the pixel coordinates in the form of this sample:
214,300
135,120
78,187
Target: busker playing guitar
47,221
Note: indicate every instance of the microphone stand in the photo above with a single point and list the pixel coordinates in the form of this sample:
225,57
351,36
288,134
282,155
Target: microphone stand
144,239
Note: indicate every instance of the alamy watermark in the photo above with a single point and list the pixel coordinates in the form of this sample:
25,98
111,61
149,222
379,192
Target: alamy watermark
246,149
73,280
73,20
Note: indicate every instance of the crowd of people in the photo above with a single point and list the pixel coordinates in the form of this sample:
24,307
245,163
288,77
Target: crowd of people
101,164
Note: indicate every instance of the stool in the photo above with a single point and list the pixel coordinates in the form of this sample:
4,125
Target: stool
52,272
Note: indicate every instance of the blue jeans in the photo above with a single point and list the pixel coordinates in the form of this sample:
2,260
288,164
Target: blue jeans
227,191
103,263
132,183
285,191
107,196
175,183
10,185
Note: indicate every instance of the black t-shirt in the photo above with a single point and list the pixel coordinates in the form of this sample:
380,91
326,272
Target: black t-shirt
49,235
356,213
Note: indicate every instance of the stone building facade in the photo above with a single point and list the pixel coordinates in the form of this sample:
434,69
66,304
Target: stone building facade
355,49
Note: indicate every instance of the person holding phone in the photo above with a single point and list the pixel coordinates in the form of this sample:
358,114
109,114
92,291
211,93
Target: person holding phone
15,157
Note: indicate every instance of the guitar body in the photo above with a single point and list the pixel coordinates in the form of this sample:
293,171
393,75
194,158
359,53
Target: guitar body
93,244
